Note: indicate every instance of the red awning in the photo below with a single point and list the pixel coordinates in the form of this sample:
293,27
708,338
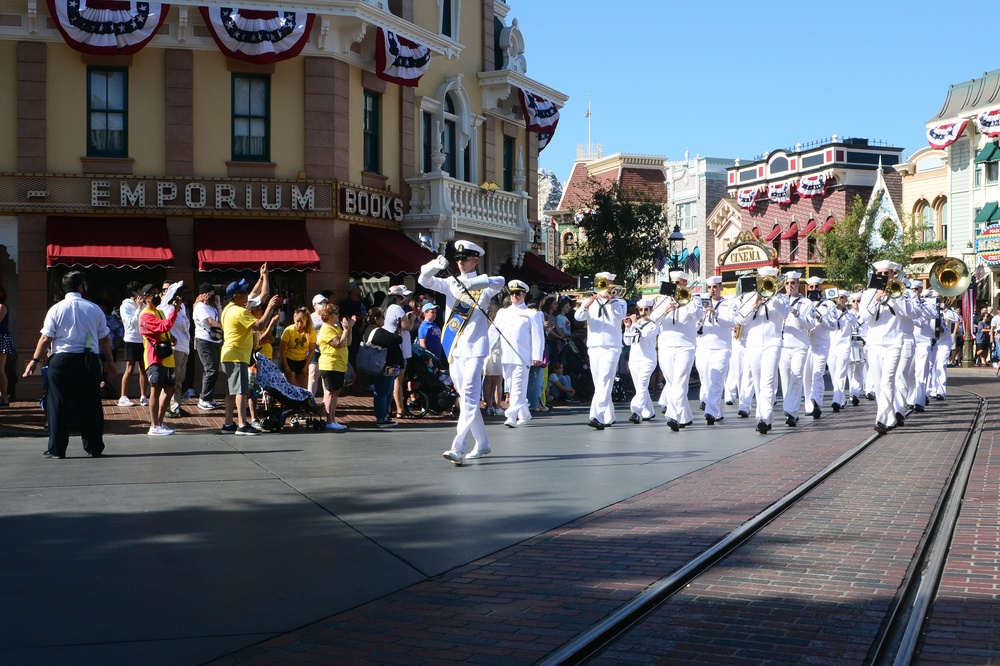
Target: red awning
756,232
774,233
242,244
107,242
827,225
808,229
380,251
793,232
535,270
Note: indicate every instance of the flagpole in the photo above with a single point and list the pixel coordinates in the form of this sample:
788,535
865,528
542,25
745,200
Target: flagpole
589,145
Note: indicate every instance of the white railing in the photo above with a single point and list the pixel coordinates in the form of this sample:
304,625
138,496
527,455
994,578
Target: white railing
466,204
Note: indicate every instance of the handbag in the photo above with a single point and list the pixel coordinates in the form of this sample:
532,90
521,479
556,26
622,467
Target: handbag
163,349
371,358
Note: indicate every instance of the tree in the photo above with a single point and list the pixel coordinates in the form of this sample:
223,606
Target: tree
623,234
852,245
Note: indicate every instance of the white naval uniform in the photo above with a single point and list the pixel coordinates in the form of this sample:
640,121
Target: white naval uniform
468,351
942,351
763,326
735,374
713,354
859,369
641,363
839,359
604,346
675,350
523,342
795,349
904,371
923,352
825,313
884,345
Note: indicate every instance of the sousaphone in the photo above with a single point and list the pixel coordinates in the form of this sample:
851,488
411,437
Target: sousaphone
949,276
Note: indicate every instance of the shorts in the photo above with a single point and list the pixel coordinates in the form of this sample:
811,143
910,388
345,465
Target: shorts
237,377
333,380
134,351
6,344
296,367
160,376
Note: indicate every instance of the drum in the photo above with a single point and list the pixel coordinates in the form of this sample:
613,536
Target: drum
857,349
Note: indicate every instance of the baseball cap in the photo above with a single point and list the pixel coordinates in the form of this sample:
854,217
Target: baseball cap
320,298
240,287
430,306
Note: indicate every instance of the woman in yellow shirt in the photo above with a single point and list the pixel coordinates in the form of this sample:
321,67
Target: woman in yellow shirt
333,339
298,343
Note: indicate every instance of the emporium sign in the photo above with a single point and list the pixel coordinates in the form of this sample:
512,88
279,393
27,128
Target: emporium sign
988,245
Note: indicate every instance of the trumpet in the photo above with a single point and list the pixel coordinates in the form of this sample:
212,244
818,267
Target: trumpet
682,296
769,287
605,287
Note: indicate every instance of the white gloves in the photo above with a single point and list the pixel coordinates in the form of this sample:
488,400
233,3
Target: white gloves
432,267
441,262
478,282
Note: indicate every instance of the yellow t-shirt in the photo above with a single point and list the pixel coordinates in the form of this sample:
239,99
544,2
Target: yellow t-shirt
330,357
237,336
297,345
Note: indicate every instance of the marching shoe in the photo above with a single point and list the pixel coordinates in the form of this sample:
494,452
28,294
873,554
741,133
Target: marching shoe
674,425
685,425
701,406
899,420
854,400
649,418
510,423
790,421
594,423
729,402
453,456
479,453
816,411
634,418
870,396
709,419
743,414
664,411
521,420
918,408
836,407
880,428
762,427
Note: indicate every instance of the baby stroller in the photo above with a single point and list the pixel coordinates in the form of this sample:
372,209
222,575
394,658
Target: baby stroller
434,392
284,400
577,366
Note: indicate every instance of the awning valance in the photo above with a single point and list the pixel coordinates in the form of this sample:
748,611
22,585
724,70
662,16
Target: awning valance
379,251
989,153
792,232
988,212
808,229
101,242
243,244
535,270
773,233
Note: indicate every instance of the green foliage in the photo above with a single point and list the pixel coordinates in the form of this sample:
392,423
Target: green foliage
623,234
850,248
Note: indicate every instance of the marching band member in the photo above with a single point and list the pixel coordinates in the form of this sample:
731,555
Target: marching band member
640,335
858,371
945,322
675,344
904,372
746,378
923,348
762,319
799,321
465,339
840,349
522,342
714,348
604,314
884,344
735,373
825,312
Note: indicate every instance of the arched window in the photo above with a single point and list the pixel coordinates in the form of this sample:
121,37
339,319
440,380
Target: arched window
945,221
450,138
568,243
448,116
929,223
779,165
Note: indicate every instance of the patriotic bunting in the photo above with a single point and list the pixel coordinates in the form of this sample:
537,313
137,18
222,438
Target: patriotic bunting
747,197
942,136
813,186
262,36
107,27
780,193
540,116
398,60
988,122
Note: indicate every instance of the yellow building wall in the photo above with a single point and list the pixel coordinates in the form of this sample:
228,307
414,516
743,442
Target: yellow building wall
146,113
8,106
66,109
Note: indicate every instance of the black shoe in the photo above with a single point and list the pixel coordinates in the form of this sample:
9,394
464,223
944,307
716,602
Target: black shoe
634,418
228,429
594,423
816,412
918,408
742,414
939,397
664,412
709,419
701,406
899,420
721,418
177,413
870,396
649,418
836,407
47,454
729,402
685,425
790,421
674,425
880,428
762,427
854,400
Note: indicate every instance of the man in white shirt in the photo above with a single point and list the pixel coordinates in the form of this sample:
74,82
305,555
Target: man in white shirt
181,332
640,336
604,314
466,343
521,331
714,348
208,343
839,358
675,348
824,312
130,310
799,322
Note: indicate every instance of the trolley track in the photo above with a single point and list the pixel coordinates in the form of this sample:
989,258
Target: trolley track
897,635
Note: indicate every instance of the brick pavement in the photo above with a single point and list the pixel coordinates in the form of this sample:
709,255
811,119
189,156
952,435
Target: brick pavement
522,602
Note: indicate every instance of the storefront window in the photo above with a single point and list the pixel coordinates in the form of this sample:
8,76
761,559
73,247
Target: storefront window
105,286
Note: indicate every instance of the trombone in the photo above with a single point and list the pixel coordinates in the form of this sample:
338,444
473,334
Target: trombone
769,287
606,288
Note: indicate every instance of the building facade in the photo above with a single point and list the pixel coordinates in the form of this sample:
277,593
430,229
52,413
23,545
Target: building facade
695,187
192,141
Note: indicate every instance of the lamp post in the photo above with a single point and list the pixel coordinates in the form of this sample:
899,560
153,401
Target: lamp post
969,351
675,246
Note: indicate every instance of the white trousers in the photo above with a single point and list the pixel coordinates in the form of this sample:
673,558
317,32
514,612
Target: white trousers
516,377
815,370
747,382
603,367
923,353
763,367
735,374
641,370
883,361
713,366
839,361
676,364
792,369
467,374
904,376
939,380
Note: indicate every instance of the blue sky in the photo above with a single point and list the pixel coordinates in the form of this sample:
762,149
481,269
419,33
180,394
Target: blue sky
738,79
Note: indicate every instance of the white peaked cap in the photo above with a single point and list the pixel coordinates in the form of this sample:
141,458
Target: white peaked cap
610,276
465,246
855,294
767,271
679,275
715,279
646,302
815,279
884,265
793,275
841,293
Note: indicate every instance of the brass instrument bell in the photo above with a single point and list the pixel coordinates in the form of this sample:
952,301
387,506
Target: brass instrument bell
768,287
682,295
949,276
604,287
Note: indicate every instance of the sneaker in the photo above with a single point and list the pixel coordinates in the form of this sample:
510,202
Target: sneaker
479,453
573,401
336,427
246,429
257,425
4,403
385,423
490,411
160,431
454,456
190,393
510,423
228,429
124,401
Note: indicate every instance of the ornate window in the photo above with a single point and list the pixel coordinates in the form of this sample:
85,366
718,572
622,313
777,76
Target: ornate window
568,243
928,223
107,112
449,113
251,118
